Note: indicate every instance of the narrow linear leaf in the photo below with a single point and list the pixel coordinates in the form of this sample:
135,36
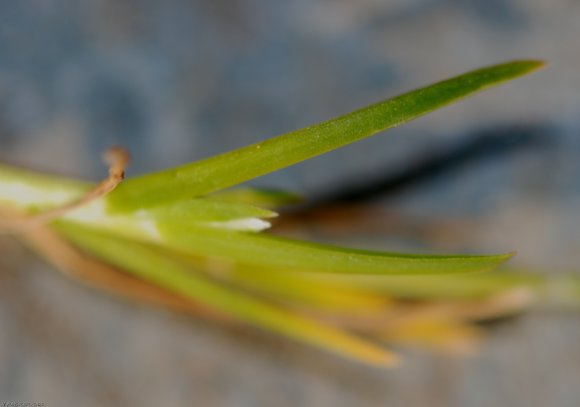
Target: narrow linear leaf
225,170
153,265
283,253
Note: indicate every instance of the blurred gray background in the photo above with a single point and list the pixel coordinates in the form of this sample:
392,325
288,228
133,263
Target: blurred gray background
179,80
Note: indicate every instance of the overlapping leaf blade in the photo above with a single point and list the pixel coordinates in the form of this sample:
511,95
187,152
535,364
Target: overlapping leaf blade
225,170
288,254
153,265
278,253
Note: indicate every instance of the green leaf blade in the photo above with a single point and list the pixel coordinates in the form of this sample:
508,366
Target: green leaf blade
155,266
225,170
282,253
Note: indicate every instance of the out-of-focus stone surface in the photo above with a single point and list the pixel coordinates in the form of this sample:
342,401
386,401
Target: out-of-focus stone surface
182,79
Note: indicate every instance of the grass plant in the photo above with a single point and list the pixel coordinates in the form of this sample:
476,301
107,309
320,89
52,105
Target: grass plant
190,239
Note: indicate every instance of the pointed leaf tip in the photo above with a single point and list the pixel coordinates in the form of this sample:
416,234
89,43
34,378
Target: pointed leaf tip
527,65
511,70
